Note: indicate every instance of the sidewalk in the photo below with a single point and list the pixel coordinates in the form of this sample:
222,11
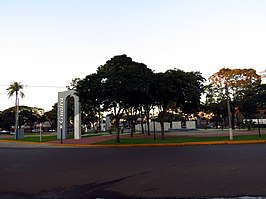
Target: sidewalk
89,141
85,140
97,139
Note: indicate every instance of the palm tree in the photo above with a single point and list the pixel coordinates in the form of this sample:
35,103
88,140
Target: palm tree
15,87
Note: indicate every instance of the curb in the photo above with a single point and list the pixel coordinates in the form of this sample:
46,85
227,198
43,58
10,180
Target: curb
138,145
165,145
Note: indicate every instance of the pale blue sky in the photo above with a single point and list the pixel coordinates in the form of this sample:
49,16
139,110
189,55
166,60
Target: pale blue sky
50,42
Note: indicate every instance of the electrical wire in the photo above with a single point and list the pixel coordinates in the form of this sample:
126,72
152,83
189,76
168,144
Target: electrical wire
39,86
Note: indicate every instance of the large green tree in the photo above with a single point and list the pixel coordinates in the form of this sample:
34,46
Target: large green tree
7,118
114,78
118,85
252,101
28,116
51,116
138,93
179,87
91,96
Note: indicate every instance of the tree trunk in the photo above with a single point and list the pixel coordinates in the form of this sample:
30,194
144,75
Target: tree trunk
131,128
148,124
147,114
162,118
142,127
16,117
117,129
233,119
162,128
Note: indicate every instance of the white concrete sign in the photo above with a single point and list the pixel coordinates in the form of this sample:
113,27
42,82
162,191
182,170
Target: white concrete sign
62,115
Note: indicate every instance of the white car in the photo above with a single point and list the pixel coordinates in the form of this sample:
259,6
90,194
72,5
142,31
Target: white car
4,132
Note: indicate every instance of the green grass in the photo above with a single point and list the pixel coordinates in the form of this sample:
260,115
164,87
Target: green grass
169,140
33,138
95,134
46,137
37,138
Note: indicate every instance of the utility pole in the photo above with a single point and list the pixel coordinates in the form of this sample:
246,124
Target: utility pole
229,113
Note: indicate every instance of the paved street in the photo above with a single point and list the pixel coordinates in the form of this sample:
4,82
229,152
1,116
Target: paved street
161,172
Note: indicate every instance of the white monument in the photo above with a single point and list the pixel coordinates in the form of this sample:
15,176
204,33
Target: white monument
62,115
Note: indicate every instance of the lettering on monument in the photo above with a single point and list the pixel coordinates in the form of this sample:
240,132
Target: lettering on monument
61,110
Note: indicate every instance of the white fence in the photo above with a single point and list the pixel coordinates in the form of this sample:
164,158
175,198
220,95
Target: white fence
176,125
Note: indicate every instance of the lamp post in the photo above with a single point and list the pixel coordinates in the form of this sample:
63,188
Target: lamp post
61,132
40,132
258,121
153,125
229,113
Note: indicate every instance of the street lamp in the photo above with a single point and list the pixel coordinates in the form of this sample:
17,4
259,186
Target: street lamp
153,125
40,125
229,113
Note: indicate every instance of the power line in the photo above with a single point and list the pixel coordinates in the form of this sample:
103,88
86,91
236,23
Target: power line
39,86
46,86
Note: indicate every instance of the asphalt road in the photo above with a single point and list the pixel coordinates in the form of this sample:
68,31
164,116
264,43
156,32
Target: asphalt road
136,172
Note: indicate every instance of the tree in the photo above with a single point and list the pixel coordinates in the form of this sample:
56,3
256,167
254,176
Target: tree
123,85
15,88
117,85
138,93
114,78
51,116
236,80
91,96
232,84
182,88
192,89
28,116
252,101
261,96
73,84
7,118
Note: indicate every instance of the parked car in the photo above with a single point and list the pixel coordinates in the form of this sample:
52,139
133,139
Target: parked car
4,132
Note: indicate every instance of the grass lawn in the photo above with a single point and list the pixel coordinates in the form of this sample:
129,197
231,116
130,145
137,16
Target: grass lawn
45,138
169,140
35,137
32,138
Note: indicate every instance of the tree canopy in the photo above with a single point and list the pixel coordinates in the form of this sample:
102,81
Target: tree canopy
239,85
122,83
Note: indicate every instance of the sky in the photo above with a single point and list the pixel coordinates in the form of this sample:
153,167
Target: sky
44,44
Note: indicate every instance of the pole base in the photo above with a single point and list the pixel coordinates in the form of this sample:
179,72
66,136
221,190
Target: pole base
230,134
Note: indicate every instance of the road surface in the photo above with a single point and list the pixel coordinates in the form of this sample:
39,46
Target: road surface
137,172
